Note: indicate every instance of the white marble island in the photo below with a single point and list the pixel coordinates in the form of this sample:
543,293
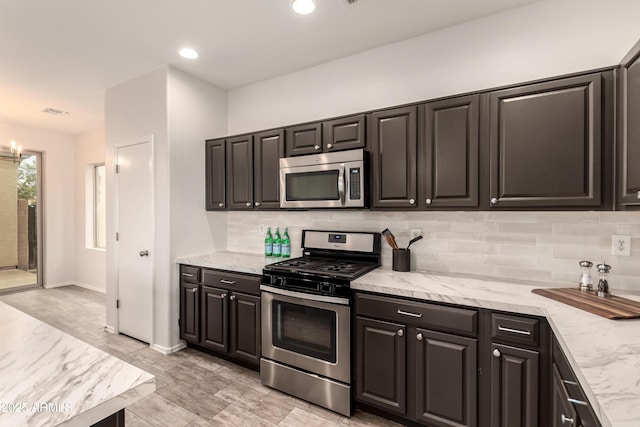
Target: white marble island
48,377
604,354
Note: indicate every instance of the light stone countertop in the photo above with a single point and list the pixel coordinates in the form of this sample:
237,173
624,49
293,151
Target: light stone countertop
604,354
48,377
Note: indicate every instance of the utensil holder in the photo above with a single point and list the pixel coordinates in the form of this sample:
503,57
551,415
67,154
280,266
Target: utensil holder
401,260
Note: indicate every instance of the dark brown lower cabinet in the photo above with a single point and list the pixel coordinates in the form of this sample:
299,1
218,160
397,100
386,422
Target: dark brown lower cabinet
381,364
189,312
245,327
514,387
446,380
214,319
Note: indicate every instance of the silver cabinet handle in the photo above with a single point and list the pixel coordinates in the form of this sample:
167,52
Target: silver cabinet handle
412,201
248,204
316,147
221,204
569,382
144,253
514,331
223,295
638,194
419,336
428,201
257,203
400,332
496,353
566,419
228,282
329,145
192,290
232,297
577,402
407,313
494,201
187,274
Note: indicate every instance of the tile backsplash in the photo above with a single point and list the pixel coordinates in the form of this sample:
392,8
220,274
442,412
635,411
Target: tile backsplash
542,247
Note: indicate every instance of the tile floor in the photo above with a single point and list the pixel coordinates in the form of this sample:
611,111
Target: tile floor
192,388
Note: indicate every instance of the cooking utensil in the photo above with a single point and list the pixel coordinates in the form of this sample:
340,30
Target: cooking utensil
412,241
391,240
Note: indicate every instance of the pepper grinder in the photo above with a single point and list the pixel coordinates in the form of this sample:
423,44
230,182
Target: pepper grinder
585,278
603,285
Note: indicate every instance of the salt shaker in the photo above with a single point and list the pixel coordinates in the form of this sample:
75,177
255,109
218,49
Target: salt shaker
603,285
585,278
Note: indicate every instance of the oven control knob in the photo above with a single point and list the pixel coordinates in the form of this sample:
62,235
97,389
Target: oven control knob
326,287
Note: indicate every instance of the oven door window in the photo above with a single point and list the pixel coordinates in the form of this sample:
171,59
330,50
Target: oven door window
311,186
305,330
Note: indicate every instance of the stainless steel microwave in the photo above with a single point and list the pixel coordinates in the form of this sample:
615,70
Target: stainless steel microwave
328,180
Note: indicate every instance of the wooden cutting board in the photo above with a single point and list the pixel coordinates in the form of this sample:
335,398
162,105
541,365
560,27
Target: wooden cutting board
613,307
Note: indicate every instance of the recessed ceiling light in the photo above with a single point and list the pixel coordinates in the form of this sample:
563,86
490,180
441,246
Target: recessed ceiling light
188,53
55,112
303,7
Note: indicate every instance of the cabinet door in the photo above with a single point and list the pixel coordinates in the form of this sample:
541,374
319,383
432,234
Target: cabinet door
346,133
451,153
446,379
304,139
215,174
629,133
562,412
240,172
269,148
545,144
189,312
214,319
393,142
514,387
245,327
381,364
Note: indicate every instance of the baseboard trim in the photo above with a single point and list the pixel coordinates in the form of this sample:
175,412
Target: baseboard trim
168,350
57,285
110,329
90,287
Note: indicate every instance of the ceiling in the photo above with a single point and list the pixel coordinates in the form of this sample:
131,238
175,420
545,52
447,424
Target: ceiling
64,54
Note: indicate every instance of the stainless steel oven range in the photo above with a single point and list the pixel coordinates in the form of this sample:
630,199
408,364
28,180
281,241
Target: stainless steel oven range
306,317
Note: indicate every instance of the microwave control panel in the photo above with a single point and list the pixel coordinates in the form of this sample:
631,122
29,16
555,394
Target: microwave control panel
354,183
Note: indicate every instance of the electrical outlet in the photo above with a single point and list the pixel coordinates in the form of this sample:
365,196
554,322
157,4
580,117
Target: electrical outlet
261,229
415,232
621,245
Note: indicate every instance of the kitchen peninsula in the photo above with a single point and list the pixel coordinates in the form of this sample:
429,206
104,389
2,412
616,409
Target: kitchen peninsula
48,377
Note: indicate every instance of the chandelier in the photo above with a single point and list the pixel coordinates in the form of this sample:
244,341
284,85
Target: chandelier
15,155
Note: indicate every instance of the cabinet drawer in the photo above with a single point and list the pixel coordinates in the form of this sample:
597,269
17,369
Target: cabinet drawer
515,329
190,274
427,315
232,281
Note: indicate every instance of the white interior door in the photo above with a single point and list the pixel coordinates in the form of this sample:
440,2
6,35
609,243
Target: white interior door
134,187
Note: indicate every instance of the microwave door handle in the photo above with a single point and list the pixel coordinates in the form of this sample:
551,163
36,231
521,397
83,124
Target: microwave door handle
341,184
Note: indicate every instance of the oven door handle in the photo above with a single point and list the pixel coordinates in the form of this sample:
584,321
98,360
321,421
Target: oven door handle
305,296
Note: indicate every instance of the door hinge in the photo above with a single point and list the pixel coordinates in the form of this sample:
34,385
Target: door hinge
117,168
117,236
117,303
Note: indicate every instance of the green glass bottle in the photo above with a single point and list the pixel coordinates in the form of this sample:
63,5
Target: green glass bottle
277,244
268,243
286,244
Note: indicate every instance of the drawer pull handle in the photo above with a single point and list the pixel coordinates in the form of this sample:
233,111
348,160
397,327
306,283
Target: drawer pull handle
569,382
188,274
407,313
228,282
577,402
566,419
513,331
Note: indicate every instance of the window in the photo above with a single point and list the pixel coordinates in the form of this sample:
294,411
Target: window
95,194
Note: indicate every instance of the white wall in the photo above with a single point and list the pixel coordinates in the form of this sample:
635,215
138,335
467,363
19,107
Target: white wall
540,40
180,111
58,194
90,263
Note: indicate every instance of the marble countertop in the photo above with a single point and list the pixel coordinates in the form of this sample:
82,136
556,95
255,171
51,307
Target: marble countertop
48,377
604,354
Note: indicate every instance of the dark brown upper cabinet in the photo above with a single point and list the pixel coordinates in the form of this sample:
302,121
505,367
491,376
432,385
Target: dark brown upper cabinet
240,172
346,133
304,139
393,142
268,149
629,131
215,158
449,158
546,144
